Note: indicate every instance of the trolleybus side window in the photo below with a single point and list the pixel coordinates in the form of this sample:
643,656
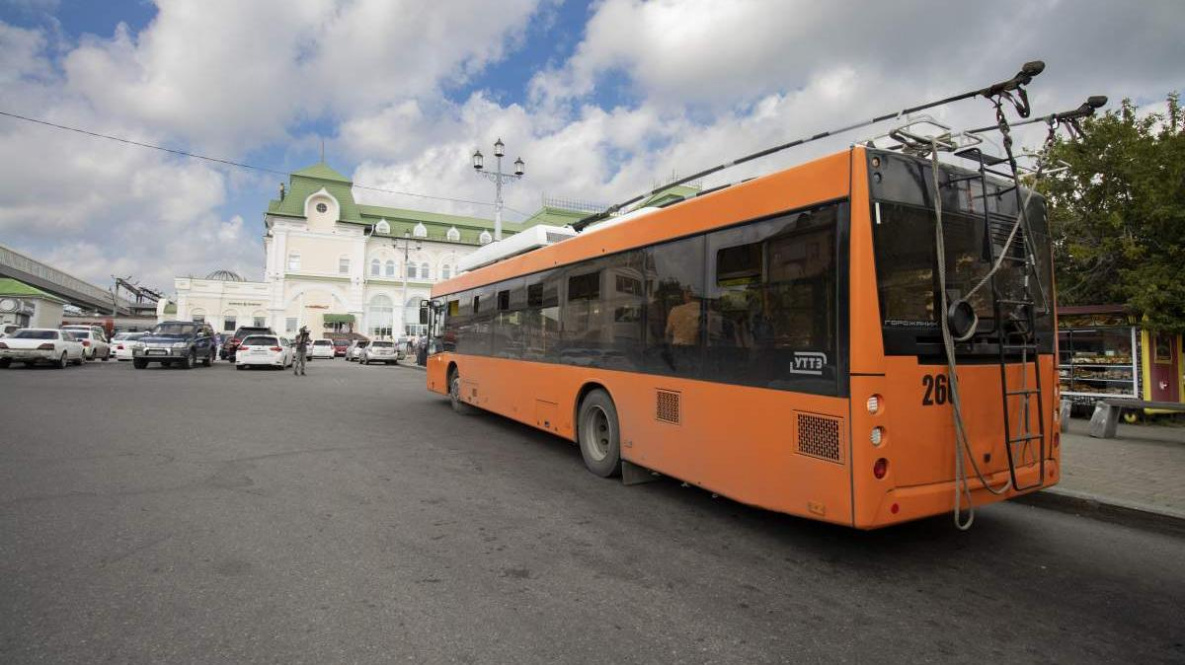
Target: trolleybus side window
510,319
673,311
771,303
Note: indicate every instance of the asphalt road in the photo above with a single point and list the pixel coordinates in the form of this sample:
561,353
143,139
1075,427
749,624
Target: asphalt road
209,515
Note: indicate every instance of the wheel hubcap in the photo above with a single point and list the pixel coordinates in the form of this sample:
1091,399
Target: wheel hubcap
597,433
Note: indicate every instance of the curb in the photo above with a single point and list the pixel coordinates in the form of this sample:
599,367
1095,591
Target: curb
1107,510
422,369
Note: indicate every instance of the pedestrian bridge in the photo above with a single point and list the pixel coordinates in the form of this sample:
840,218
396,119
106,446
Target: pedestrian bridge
81,294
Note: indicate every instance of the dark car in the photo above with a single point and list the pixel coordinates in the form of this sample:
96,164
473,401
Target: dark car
181,343
231,345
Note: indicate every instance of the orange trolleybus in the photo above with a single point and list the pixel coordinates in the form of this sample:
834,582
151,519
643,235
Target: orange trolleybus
779,341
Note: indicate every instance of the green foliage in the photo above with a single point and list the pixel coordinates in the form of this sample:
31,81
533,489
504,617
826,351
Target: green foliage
1118,215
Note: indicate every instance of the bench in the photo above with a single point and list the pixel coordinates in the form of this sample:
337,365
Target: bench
1107,412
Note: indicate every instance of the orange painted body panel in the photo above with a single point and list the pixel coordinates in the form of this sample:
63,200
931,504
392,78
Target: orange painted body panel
740,441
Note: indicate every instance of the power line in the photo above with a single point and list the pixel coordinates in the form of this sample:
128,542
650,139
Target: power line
226,162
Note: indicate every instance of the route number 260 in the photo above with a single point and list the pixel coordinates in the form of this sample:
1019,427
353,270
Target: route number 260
937,389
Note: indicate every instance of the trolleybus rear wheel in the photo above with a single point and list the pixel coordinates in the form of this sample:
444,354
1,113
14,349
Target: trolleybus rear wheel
599,434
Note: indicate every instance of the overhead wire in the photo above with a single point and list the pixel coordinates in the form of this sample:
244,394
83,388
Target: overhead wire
229,162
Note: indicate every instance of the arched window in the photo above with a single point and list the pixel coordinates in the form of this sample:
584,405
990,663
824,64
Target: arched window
390,268
446,271
420,231
425,273
411,270
343,265
411,317
380,316
453,234
230,320
375,268
485,238
383,227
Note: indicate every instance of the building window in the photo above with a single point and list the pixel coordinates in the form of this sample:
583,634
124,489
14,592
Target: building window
446,271
259,319
375,268
383,227
425,273
322,208
420,231
411,317
293,261
198,316
380,317
343,265
453,234
411,270
485,238
290,324
228,322
390,268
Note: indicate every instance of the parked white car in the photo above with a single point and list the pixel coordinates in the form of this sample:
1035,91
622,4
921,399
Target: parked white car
124,344
264,351
381,352
41,345
356,348
94,342
321,348
7,329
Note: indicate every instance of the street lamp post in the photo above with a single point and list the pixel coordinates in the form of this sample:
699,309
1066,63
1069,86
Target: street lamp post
498,177
406,247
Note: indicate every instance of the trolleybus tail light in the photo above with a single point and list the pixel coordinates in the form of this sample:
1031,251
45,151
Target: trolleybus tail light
48,346
877,436
880,468
874,404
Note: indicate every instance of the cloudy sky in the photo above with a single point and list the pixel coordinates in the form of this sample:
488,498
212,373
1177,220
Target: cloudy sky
601,99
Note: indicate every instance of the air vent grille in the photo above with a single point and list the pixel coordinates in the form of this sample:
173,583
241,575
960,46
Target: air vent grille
668,407
819,437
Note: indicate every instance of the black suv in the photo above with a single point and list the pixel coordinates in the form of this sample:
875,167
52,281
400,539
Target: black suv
231,346
181,343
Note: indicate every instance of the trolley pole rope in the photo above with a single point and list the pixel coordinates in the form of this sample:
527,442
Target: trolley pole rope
1003,88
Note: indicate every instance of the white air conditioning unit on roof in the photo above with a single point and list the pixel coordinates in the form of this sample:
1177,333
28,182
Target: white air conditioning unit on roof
519,243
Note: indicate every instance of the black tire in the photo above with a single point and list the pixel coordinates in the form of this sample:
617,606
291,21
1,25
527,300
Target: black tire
77,363
107,357
5,363
209,359
240,367
599,434
139,364
189,360
454,395
63,362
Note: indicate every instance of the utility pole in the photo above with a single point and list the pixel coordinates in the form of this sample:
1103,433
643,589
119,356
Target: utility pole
406,247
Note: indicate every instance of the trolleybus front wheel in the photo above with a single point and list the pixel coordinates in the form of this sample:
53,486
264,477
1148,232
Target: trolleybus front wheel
454,395
599,434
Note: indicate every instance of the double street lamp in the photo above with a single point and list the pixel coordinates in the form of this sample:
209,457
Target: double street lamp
498,177
405,245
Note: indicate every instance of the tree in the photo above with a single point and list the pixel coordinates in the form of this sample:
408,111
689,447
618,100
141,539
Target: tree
1118,214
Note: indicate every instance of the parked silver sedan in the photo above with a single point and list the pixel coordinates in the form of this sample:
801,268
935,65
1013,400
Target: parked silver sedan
381,352
41,345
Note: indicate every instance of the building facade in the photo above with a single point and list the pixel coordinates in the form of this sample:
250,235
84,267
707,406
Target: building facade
28,306
337,266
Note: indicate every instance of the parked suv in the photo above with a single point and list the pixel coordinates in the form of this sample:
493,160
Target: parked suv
93,339
230,346
181,343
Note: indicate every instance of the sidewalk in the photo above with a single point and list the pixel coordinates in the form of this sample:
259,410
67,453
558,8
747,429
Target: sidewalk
1141,470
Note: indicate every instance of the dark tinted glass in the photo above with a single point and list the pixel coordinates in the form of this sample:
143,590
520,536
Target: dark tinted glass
602,318
510,320
673,307
35,334
771,303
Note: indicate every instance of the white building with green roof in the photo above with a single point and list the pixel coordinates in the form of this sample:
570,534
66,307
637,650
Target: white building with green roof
332,264
26,306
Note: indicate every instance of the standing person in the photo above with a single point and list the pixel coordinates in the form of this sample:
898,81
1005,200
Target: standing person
302,347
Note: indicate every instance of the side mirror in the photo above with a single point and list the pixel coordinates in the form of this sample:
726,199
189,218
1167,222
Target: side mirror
423,313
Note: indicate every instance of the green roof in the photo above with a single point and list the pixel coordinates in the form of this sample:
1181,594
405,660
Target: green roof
306,182
670,194
12,287
322,172
555,216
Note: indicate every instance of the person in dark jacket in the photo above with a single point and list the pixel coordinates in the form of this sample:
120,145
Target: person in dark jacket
301,345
